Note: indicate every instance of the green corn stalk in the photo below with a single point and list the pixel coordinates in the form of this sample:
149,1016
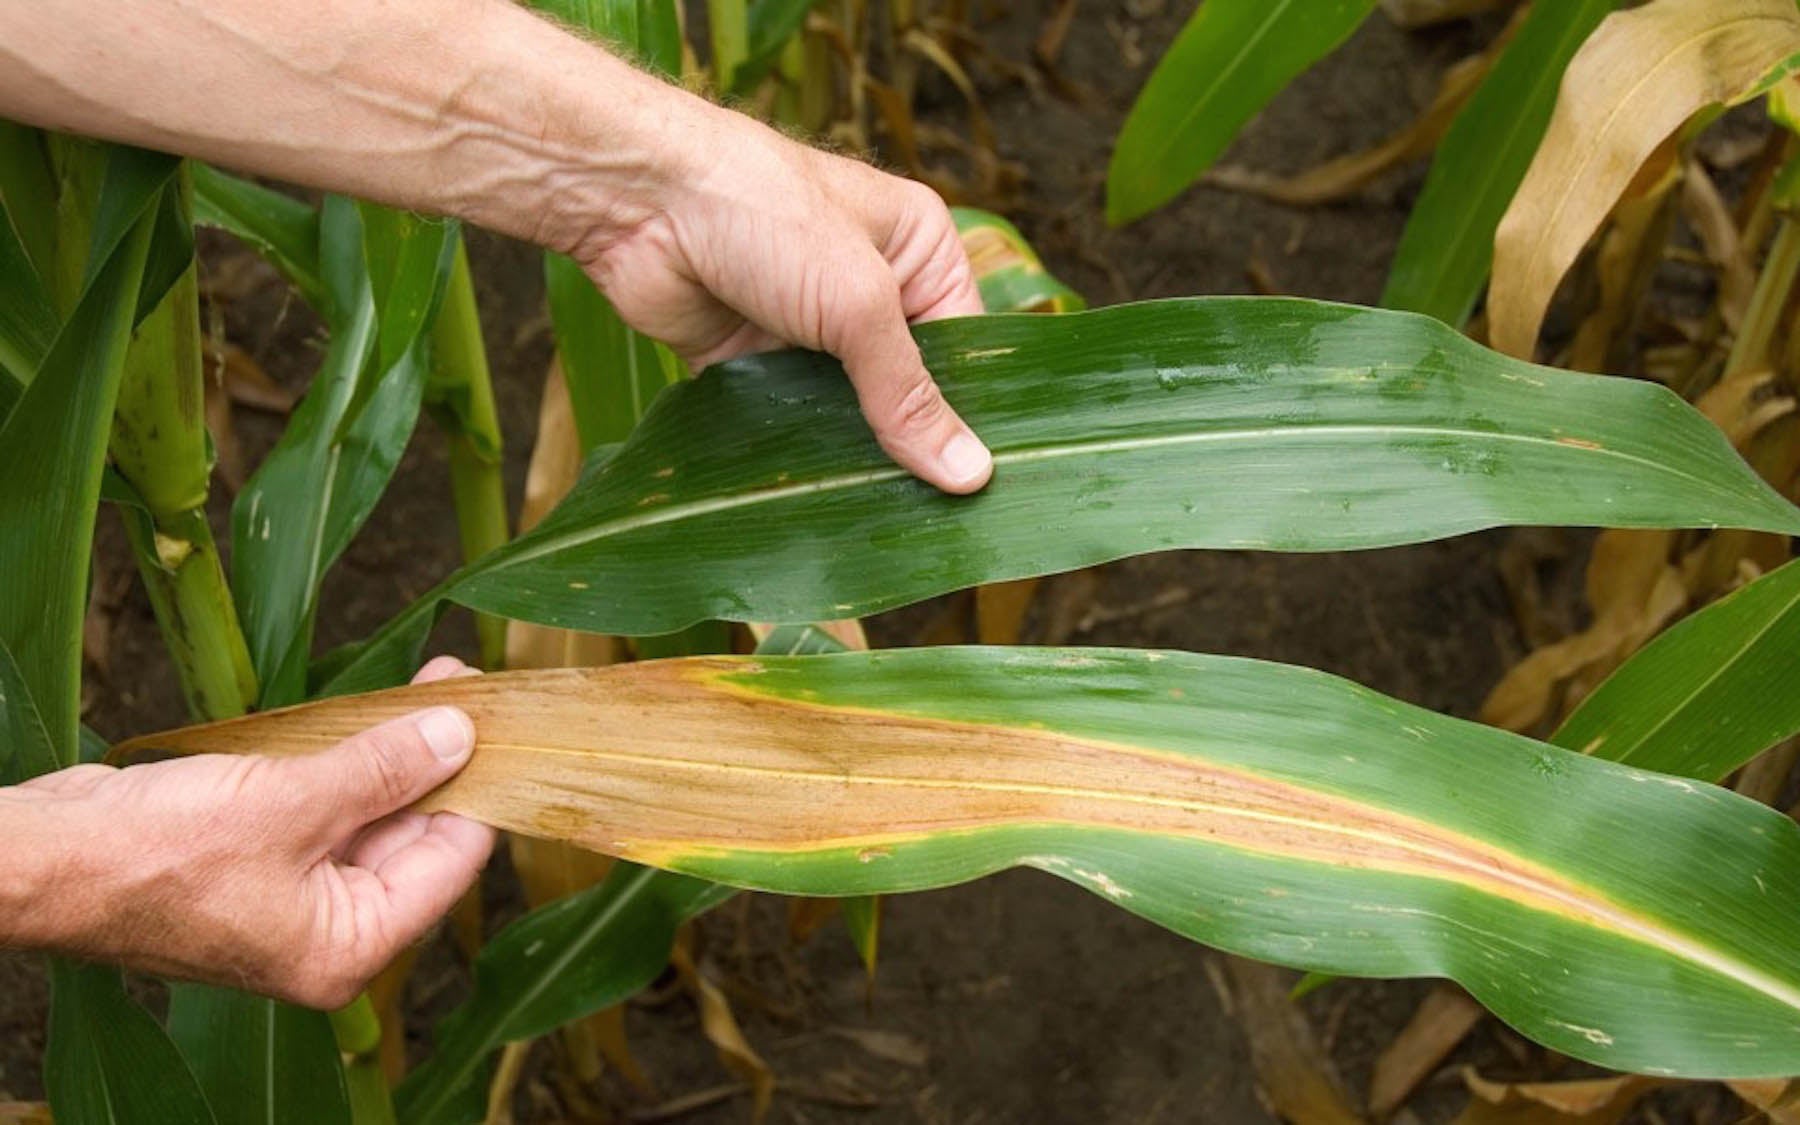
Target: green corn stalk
728,23
459,395
159,446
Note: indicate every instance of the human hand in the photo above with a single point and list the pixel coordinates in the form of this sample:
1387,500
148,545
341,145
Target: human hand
760,242
298,877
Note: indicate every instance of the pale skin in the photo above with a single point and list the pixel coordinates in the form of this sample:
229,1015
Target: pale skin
302,877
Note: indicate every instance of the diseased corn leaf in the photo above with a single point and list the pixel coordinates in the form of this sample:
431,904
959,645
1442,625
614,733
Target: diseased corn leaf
384,274
1444,254
1708,694
259,1060
1277,812
1640,75
1216,422
1008,271
108,1062
1230,59
617,934
53,448
283,229
557,964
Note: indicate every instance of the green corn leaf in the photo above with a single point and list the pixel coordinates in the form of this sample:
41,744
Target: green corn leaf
1707,695
384,276
647,29
28,320
25,746
771,24
258,1059
613,372
1448,245
108,1062
283,229
53,448
563,961
28,192
1215,422
1230,59
1276,812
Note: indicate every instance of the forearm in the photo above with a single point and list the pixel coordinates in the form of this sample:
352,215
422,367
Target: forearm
474,108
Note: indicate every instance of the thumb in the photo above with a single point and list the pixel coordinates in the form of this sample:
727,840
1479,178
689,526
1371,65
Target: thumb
385,768
910,418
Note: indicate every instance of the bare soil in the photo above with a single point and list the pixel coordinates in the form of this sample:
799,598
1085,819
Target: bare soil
1020,998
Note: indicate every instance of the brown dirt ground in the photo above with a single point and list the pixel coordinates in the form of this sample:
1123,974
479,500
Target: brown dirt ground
1028,999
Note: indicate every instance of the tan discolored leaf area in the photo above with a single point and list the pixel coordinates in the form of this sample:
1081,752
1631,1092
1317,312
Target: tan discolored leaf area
1633,83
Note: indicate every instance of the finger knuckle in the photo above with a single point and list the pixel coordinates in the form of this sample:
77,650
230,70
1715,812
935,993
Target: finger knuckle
388,754
920,409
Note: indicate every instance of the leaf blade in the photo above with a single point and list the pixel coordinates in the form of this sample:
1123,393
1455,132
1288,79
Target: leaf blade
1274,811
1339,428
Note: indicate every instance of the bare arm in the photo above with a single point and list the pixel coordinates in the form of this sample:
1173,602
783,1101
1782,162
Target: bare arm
708,230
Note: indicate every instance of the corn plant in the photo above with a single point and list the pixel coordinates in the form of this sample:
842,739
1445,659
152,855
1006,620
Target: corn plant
1594,890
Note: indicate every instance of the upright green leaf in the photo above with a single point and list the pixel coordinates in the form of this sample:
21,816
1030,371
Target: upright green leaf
53,447
771,23
560,962
315,489
28,320
25,746
108,1062
1448,245
257,1059
1230,59
613,372
648,29
28,192
1276,812
1707,695
283,229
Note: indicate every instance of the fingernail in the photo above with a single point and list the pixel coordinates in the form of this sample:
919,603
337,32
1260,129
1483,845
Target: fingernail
447,731
965,459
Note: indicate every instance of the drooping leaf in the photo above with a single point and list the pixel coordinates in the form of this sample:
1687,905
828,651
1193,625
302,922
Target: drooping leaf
108,1062
384,275
557,964
1277,812
1215,422
258,1059
1633,83
1444,254
1708,694
1230,59
282,228
53,447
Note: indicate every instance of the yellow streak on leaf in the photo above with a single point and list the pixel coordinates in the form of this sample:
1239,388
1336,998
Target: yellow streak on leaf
1638,77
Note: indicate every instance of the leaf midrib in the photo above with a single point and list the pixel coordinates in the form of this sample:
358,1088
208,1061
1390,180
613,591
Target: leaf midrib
694,508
